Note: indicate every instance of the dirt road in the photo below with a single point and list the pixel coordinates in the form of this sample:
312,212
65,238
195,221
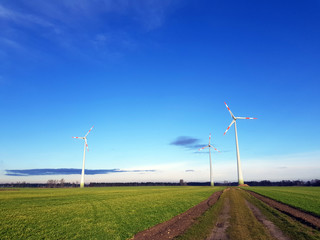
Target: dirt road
241,215
235,214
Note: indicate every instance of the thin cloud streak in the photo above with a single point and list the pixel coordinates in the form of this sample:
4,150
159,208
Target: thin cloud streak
184,141
187,142
23,19
63,23
67,171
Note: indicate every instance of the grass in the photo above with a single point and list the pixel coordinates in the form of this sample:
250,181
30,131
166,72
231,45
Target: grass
304,198
92,213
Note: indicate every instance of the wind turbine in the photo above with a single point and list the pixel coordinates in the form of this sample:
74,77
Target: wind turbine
84,156
210,146
240,177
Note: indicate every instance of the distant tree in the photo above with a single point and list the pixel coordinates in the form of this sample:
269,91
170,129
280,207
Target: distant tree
265,183
50,183
62,182
315,182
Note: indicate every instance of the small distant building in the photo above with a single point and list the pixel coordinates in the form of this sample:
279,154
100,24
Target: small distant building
182,183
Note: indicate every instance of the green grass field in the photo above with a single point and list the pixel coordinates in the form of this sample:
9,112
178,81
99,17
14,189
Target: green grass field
92,213
304,198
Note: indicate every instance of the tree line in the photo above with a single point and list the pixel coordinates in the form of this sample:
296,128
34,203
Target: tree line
313,182
63,184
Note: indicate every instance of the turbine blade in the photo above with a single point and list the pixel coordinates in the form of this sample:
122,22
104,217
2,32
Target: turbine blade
215,148
87,145
88,132
203,148
209,138
78,137
229,110
245,118
233,121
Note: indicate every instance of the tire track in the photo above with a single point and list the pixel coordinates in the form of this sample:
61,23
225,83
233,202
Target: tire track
273,229
298,214
219,231
179,224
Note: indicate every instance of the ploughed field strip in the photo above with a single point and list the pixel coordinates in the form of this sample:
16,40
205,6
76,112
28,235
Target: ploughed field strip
240,215
300,215
179,224
303,198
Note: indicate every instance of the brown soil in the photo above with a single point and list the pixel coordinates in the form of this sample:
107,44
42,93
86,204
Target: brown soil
273,229
243,185
219,231
177,225
298,214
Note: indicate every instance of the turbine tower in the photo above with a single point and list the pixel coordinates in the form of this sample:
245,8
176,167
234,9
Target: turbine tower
210,146
240,177
84,156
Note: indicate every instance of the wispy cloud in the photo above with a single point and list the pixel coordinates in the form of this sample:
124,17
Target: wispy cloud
189,170
23,18
187,142
282,167
149,14
184,141
205,151
68,25
10,43
67,171
6,13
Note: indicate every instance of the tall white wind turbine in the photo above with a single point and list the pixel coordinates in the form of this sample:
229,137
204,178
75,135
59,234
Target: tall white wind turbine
240,177
210,146
84,156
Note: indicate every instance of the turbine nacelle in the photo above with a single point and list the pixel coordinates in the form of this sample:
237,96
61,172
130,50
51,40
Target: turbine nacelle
209,145
234,118
85,138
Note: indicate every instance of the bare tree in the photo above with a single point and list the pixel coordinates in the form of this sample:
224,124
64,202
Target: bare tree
62,182
50,183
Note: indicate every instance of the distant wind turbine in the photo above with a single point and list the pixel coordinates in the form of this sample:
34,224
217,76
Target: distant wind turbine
240,177
84,156
210,146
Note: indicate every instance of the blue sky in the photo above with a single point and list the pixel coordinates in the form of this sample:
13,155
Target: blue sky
146,73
